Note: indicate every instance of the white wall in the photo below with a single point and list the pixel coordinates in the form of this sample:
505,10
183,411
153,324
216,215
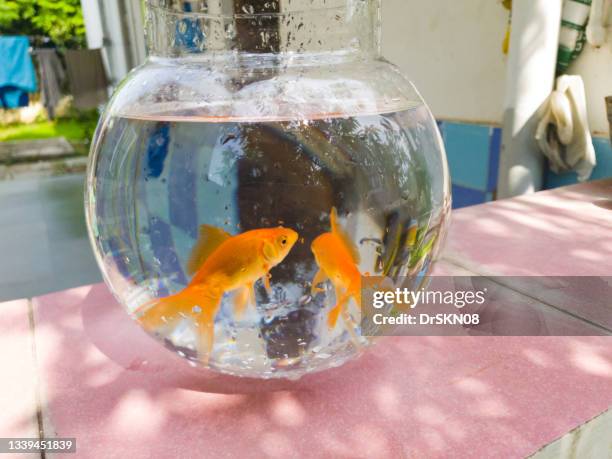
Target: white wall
135,30
452,52
115,40
450,49
116,26
93,23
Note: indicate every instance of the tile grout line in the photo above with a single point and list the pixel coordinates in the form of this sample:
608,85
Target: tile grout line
573,435
37,382
607,331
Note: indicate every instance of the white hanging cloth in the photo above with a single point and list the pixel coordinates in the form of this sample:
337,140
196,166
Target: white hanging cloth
563,133
596,29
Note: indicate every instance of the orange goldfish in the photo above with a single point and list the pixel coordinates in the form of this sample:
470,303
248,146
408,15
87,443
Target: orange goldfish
221,263
337,258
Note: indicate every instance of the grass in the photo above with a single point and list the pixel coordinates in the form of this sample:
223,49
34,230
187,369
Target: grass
72,129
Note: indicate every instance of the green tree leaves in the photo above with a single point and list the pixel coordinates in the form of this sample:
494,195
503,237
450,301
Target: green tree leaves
9,12
60,20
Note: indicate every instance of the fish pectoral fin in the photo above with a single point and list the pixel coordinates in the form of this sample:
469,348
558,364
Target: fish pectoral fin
344,237
242,299
266,280
319,278
350,325
209,239
332,316
268,252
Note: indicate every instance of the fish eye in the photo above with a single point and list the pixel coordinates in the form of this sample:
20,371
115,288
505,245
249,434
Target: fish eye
283,241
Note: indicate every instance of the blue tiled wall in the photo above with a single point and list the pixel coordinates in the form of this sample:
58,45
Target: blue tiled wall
473,158
603,152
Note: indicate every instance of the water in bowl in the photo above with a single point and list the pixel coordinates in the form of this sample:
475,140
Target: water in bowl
158,180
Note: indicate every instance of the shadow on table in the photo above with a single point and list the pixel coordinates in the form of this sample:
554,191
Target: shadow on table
108,384
146,355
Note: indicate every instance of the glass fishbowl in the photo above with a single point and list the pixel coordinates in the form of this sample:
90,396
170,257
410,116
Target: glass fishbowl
245,178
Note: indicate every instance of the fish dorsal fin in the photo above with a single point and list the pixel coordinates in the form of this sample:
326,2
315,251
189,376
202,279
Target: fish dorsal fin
346,240
209,239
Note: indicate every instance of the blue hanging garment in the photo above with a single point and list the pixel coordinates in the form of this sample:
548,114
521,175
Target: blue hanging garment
189,34
17,74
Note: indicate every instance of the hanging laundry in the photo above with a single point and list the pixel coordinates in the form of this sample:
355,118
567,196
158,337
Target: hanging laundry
572,35
506,43
17,74
596,30
51,76
563,134
88,78
189,32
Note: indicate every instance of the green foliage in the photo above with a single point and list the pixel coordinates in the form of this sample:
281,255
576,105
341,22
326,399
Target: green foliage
75,125
60,20
74,130
9,13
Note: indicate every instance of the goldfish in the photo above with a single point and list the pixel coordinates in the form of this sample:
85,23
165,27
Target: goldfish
220,263
338,260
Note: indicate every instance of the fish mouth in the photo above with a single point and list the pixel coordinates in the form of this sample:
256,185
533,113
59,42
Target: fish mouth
292,236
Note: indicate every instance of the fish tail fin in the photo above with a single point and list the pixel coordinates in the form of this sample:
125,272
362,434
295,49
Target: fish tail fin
353,292
160,311
200,304
334,313
205,323
332,316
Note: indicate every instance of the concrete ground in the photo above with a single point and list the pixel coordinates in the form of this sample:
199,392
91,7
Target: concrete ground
29,159
43,238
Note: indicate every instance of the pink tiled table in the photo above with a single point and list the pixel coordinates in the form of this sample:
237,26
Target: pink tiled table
96,376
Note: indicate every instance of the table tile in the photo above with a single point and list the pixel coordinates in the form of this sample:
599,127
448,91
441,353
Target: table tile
123,395
561,232
18,413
